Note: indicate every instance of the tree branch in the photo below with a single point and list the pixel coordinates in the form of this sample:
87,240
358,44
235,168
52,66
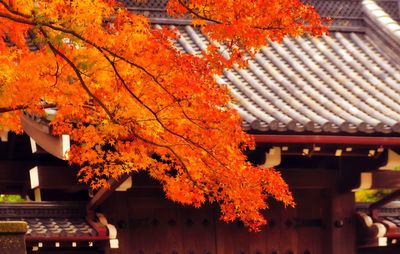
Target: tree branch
10,109
198,15
13,11
85,87
101,49
23,107
156,116
76,70
78,74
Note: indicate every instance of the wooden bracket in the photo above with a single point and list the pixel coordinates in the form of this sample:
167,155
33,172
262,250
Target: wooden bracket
379,179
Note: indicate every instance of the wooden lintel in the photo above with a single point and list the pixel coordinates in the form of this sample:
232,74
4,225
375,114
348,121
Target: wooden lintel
310,179
58,178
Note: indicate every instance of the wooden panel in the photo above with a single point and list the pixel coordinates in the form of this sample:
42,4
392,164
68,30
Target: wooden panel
153,225
310,179
288,235
53,177
158,226
117,214
14,177
60,251
340,237
150,231
233,238
310,223
380,250
198,228
272,234
275,238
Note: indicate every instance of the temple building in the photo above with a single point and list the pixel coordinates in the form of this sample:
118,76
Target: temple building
324,111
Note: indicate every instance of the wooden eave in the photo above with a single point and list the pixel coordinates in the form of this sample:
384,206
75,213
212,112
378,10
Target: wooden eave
327,139
41,134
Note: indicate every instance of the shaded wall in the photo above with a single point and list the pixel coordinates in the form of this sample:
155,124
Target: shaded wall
149,224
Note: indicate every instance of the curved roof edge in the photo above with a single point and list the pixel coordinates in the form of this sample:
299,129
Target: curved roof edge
384,30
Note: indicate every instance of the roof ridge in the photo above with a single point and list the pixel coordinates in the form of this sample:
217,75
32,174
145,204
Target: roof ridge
382,18
383,30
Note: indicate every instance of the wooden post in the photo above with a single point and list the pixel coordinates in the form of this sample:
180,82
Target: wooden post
12,237
341,226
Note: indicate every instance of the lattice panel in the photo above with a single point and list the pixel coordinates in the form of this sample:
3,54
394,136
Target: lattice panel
154,9
325,8
33,210
347,23
153,14
343,13
329,8
351,9
145,4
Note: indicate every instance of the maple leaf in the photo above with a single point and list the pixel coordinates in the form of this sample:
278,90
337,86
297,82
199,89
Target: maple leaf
131,101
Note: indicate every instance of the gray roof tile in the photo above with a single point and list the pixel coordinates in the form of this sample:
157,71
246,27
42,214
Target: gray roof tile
340,82
51,220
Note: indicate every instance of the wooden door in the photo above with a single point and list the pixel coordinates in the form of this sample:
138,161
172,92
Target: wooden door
153,225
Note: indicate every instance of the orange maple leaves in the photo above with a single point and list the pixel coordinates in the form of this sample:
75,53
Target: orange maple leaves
247,25
132,101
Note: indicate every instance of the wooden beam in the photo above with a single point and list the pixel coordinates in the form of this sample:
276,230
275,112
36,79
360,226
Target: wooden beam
295,178
326,139
56,178
393,160
310,179
105,192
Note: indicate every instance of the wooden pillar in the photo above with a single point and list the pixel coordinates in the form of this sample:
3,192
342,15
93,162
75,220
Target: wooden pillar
12,237
340,236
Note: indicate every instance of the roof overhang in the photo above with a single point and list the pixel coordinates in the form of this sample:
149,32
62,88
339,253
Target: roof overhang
326,139
40,133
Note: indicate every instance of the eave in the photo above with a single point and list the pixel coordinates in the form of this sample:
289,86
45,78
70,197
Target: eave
327,139
40,133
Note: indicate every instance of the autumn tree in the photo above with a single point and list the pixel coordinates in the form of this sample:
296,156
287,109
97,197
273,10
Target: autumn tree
131,101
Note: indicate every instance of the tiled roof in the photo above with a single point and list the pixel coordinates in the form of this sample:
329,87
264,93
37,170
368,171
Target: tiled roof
49,221
344,13
391,8
387,215
58,227
335,83
346,82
